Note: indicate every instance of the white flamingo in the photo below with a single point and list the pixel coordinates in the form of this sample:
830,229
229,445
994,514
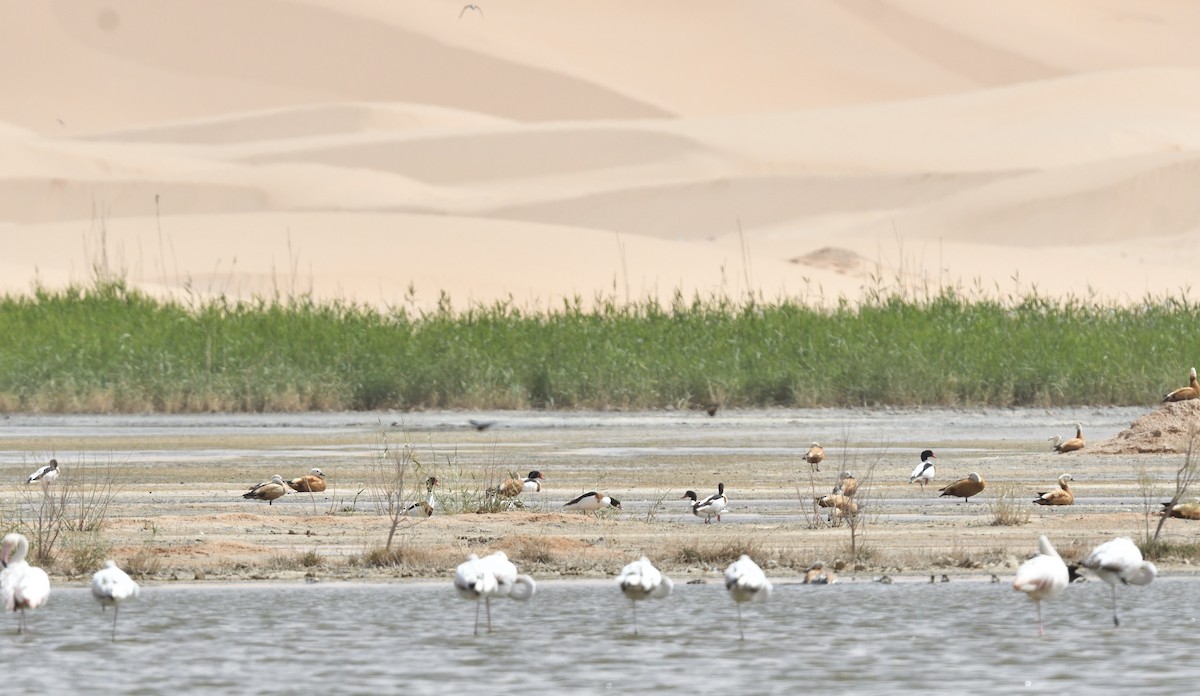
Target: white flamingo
491,576
746,583
641,580
1120,560
1044,576
45,474
22,586
923,474
110,587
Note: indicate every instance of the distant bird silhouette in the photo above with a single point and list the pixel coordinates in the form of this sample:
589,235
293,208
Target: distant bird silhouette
1120,560
1071,445
1191,391
964,488
746,583
924,472
641,580
267,490
481,425
814,456
1059,496
47,474
110,587
1044,576
711,409
477,8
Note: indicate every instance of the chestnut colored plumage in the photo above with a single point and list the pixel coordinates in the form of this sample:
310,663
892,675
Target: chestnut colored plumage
814,456
1191,391
1060,496
1071,445
964,488
515,486
312,482
841,504
816,574
1184,511
711,409
847,485
267,490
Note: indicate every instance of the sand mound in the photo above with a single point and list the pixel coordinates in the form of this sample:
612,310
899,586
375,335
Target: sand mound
1162,431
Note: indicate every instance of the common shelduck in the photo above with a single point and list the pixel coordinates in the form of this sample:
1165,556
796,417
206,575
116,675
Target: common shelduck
964,488
22,586
312,482
641,580
110,587
746,582
711,506
1191,391
1044,576
923,474
515,486
1120,560
45,474
592,501
424,508
1059,496
267,490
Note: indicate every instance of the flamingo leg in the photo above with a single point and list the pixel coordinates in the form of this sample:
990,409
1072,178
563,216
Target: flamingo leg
488,601
1116,621
116,608
476,617
635,626
741,632
1041,632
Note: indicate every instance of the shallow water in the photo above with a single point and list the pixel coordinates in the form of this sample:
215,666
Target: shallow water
865,637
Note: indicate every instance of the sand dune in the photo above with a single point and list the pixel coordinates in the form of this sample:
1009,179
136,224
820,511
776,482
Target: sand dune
543,151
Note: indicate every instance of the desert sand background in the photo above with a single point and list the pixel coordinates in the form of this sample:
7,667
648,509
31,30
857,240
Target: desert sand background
386,152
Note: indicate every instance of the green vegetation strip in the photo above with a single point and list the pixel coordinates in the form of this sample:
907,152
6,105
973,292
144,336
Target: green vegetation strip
111,349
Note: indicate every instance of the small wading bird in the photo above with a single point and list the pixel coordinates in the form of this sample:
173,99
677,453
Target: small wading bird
847,485
746,583
814,456
424,508
1044,576
46,474
1059,496
1191,391
923,474
964,488
22,586
591,502
312,482
641,580
1071,445
1120,560
711,506
816,574
515,486
491,576
476,8
267,490
1186,511
110,587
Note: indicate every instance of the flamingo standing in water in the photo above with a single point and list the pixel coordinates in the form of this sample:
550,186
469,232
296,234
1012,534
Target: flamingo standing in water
1044,576
641,580
746,582
110,587
22,586
1120,560
491,576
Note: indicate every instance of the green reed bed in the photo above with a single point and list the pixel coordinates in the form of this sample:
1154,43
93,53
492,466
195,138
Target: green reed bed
108,348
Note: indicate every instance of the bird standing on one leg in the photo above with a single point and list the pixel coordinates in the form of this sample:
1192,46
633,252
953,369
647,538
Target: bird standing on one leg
110,587
1044,576
641,580
746,582
1120,560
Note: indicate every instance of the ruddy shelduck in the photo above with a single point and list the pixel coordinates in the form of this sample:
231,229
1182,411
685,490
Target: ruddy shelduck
1191,391
1059,496
964,488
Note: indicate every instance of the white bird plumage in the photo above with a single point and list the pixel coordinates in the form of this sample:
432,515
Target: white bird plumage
1121,561
46,474
1044,576
491,576
746,582
714,504
22,586
641,580
923,474
110,587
